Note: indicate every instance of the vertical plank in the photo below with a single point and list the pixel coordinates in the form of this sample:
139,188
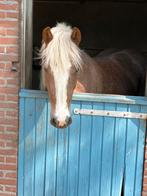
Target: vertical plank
119,152
40,145
140,155
29,155
51,156
96,152
62,160
131,152
107,152
85,150
73,152
21,148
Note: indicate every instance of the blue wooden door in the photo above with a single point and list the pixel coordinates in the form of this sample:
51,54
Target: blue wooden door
95,156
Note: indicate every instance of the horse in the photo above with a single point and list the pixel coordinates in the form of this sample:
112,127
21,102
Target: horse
66,69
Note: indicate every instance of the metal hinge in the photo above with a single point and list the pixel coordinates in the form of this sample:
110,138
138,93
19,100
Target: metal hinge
108,113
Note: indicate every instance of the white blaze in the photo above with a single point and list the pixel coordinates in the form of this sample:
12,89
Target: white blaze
61,109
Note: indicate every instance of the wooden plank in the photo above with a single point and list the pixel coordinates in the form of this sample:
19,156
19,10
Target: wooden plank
73,152
96,152
51,156
62,161
85,152
29,154
107,152
131,152
140,155
40,145
119,153
21,149
90,97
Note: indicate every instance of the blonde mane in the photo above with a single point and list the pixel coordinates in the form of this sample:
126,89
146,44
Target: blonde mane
61,53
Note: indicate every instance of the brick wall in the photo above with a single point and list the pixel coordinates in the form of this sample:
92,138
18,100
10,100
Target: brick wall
9,85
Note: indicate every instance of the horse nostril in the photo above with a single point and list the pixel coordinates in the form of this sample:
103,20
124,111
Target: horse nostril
68,120
54,122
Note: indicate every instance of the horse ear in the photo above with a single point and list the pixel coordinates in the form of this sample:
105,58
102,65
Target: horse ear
47,35
76,35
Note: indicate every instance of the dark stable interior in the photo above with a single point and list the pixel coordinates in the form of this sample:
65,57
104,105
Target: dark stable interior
103,24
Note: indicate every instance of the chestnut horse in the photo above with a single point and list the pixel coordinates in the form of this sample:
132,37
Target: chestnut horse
67,69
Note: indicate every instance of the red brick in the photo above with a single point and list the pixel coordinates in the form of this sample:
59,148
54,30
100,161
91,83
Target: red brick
8,152
2,97
9,106
8,40
2,113
11,160
7,194
2,159
9,74
11,128
145,180
12,113
10,90
2,49
2,31
13,98
11,175
2,128
9,57
7,121
12,49
12,15
8,136
8,24
3,14
2,65
10,189
2,82
2,144
145,172
11,144
1,173
8,181
144,188
8,66
12,32
8,6
8,167
144,194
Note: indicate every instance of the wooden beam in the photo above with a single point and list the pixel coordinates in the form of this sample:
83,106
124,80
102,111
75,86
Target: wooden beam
26,43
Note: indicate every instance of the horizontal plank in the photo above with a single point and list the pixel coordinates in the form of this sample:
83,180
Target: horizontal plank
90,97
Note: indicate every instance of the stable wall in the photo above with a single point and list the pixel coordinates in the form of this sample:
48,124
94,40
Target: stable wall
9,87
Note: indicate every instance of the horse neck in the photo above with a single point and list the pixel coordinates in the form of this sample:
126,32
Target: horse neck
89,78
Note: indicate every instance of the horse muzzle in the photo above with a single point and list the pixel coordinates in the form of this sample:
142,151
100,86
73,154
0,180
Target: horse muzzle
61,124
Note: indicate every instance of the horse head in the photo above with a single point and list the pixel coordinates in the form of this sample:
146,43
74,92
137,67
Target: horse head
61,62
